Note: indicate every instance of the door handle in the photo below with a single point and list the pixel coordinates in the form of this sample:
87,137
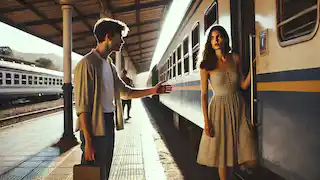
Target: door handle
252,99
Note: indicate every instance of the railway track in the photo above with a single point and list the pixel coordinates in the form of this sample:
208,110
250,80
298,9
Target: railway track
7,104
11,120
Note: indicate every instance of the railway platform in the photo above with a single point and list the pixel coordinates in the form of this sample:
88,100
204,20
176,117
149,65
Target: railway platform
27,150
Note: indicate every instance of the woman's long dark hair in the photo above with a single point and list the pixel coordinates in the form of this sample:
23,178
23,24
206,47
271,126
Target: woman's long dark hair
209,59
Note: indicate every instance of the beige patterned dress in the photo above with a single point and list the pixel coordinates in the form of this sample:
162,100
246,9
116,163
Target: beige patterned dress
232,142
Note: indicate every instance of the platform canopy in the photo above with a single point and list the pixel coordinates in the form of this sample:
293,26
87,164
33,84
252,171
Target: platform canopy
43,18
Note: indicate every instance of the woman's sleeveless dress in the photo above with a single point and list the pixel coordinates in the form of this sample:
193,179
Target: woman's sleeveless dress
232,142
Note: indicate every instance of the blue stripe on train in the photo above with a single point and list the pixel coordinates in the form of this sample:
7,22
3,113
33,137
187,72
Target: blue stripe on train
292,75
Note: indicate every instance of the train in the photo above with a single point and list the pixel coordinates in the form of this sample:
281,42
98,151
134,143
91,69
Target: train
26,81
283,98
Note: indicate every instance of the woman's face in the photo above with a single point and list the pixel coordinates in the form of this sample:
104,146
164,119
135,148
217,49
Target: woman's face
216,40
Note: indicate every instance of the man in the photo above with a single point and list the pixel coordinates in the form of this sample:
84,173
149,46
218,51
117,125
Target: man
96,87
127,102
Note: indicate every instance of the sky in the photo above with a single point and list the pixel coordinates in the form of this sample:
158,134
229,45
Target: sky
27,43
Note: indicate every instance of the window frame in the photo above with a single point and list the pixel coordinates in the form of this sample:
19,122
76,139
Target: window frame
196,47
299,39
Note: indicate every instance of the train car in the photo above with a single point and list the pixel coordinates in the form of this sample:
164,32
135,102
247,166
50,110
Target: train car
153,79
27,81
282,99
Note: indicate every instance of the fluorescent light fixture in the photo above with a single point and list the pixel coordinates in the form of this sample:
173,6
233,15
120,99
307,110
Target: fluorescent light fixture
172,21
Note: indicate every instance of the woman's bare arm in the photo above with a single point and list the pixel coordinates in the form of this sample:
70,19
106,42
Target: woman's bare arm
244,81
204,94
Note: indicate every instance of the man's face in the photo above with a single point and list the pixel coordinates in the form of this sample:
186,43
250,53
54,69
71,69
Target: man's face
117,42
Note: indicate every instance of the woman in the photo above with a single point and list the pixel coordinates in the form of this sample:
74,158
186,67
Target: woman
226,139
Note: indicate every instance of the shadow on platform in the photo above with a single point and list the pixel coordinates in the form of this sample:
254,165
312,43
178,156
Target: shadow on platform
179,146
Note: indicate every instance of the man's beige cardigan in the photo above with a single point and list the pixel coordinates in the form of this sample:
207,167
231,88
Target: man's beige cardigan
88,83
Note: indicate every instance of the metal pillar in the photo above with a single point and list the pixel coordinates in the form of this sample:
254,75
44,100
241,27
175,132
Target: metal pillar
68,138
118,61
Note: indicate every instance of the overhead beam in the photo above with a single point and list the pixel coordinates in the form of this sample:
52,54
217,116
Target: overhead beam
140,49
140,57
83,18
11,10
138,21
127,44
60,20
105,7
83,47
38,13
144,61
140,6
140,33
15,9
140,53
85,33
144,41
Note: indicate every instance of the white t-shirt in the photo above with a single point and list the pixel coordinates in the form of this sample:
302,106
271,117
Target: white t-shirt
108,87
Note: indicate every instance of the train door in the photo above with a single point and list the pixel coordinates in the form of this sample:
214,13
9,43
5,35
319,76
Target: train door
243,43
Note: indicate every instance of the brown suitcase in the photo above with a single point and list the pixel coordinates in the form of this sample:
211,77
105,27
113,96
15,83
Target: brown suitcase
86,172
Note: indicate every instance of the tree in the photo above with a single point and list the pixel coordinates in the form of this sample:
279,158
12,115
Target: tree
5,50
46,63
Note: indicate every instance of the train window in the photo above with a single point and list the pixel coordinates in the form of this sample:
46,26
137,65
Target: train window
24,79
40,80
166,65
179,60
195,36
170,66
179,52
195,45
1,78
35,80
16,78
186,54
53,81
50,81
29,79
174,58
211,16
45,81
296,20
179,67
8,78
174,64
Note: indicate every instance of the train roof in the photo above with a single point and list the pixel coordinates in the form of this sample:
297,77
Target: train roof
16,60
29,68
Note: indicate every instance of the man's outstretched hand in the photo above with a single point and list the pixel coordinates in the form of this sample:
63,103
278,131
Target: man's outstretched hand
161,89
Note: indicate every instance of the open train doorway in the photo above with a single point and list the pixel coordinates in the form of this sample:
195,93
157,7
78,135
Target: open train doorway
243,43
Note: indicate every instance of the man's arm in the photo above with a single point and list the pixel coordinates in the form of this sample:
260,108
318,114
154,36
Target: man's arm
82,93
128,92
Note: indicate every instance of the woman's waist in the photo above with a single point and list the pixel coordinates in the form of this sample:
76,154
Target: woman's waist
226,92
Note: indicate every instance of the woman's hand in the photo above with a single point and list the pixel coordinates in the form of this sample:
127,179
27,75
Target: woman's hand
208,129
